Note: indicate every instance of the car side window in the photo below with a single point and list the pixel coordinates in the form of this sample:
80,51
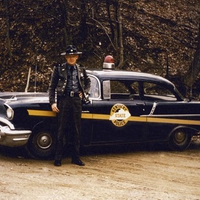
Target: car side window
152,90
119,90
134,91
106,89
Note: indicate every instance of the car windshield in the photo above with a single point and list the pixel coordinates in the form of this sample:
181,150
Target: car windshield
95,87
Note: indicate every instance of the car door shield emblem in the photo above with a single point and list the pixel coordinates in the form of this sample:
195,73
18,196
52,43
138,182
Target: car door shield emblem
119,115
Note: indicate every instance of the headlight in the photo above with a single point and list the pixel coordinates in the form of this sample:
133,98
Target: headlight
10,113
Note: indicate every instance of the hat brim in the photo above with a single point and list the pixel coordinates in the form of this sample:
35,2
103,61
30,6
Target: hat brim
64,53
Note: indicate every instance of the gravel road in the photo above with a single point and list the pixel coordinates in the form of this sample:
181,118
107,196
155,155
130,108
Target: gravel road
139,173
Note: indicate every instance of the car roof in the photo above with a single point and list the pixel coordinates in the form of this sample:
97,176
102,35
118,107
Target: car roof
127,75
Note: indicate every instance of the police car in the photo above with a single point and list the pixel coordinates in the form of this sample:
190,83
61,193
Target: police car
125,107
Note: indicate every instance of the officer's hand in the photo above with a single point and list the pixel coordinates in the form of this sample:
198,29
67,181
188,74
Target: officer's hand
80,95
54,108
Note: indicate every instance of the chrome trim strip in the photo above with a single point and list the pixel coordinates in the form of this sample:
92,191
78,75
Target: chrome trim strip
7,122
153,108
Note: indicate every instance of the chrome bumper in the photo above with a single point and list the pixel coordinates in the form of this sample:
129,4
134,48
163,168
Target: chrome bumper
11,137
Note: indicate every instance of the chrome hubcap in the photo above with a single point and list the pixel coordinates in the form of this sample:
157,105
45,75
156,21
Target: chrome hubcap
44,141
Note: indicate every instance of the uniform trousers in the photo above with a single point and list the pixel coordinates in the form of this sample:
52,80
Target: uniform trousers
69,125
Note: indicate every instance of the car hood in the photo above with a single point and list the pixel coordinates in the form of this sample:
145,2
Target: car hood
10,95
14,99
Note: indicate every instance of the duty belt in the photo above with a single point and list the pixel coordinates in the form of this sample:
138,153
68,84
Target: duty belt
72,94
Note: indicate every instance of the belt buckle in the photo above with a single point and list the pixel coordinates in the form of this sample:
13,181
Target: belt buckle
72,94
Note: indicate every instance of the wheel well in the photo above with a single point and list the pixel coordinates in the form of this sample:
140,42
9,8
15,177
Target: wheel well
43,125
185,128
42,141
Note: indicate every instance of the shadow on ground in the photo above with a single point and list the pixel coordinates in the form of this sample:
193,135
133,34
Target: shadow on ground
20,152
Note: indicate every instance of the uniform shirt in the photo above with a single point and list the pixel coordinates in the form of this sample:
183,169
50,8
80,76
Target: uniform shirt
72,79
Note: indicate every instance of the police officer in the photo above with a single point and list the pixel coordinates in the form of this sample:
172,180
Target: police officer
71,83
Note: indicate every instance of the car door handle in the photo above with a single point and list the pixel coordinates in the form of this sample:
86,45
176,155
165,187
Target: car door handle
140,104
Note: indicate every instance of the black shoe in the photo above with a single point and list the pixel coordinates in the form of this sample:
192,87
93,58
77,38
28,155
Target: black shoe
77,161
57,163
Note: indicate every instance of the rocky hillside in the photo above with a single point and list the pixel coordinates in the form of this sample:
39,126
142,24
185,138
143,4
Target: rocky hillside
159,37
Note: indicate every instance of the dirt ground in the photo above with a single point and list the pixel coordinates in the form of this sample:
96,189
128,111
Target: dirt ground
121,173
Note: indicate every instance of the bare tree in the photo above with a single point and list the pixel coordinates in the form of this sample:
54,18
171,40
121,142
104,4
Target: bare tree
83,25
120,37
7,26
194,69
115,21
63,4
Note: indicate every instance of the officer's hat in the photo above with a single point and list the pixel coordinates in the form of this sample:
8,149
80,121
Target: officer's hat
71,50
